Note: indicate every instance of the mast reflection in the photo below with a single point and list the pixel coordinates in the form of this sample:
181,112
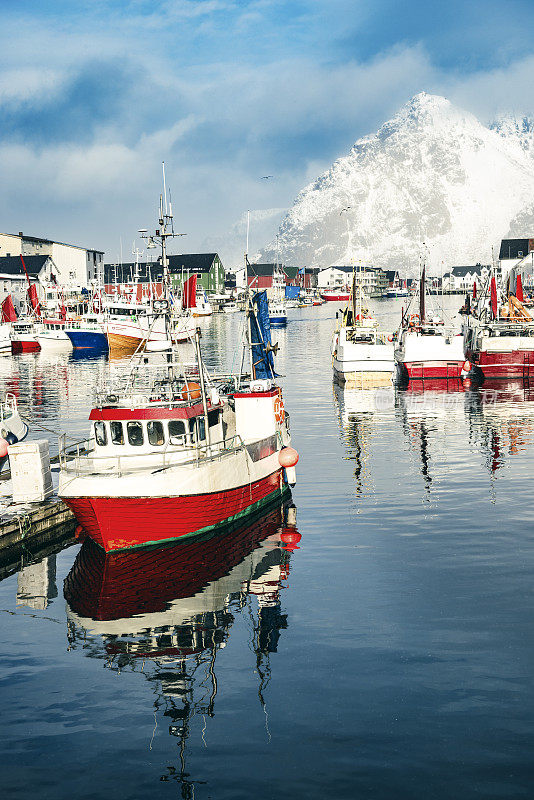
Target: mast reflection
166,612
357,411
425,408
501,419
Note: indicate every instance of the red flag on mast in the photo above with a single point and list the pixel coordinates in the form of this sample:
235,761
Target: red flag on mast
493,294
519,289
190,292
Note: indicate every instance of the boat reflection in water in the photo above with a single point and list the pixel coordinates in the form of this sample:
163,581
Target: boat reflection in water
501,419
360,411
168,611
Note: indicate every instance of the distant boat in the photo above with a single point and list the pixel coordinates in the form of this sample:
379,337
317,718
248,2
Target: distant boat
339,295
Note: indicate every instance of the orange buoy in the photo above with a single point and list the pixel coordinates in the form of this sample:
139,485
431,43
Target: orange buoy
191,391
288,457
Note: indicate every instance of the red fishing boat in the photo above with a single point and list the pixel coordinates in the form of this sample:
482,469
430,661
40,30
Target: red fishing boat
499,334
426,347
174,452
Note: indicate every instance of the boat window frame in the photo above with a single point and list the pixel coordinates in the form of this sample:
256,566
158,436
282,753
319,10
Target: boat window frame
150,433
177,438
100,425
130,427
113,423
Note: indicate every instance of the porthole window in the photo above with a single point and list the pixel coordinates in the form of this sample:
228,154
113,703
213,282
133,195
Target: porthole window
117,433
155,433
135,434
101,435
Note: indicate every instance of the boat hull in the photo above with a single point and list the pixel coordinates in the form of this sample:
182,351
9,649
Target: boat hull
278,321
25,346
513,364
120,344
120,523
423,370
88,340
336,298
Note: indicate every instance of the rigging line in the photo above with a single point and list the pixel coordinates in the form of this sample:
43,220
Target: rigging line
154,731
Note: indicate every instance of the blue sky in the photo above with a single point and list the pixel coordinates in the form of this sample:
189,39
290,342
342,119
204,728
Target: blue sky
94,95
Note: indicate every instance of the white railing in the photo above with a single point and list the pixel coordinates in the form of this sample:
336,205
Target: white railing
81,457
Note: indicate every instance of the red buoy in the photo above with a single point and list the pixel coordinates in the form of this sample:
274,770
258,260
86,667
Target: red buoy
288,457
290,537
3,448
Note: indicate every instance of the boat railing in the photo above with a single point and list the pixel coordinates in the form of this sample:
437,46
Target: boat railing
81,457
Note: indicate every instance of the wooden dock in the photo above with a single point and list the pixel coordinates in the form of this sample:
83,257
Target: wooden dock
32,529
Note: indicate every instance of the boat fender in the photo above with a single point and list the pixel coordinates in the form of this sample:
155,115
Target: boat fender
11,438
288,457
4,445
390,338
466,367
291,538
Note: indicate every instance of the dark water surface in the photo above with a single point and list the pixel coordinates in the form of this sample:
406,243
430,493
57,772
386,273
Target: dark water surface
389,656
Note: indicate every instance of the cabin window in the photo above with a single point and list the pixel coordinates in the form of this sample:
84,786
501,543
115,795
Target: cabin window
135,434
117,434
201,428
176,431
155,433
101,434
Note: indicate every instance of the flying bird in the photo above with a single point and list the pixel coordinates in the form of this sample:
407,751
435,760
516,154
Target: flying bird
266,177
344,209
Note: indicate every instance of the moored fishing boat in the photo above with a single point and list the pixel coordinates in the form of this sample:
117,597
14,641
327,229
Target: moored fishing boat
499,335
175,453
338,295
359,350
50,334
87,333
24,336
426,347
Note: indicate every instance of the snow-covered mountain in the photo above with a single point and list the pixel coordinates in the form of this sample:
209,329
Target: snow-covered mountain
432,182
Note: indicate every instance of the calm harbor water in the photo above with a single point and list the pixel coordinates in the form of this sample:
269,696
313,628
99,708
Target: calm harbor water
390,655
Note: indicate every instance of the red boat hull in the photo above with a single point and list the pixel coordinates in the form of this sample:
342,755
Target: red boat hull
423,370
105,587
25,346
336,298
516,364
120,523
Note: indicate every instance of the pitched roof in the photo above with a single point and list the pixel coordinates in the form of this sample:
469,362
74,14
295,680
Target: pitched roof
461,272
191,262
515,248
12,265
347,269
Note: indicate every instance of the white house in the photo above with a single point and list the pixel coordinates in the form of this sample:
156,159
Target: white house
373,279
74,265
461,279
